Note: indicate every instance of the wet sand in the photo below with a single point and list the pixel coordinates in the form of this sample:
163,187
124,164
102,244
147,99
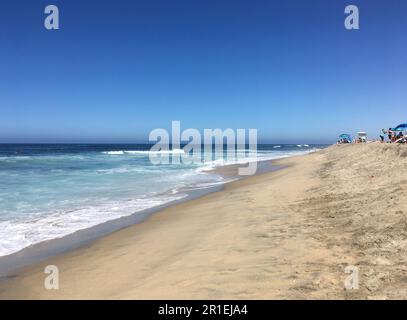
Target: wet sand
287,234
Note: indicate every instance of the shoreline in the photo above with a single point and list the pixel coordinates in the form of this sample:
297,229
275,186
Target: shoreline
10,264
147,234
28,256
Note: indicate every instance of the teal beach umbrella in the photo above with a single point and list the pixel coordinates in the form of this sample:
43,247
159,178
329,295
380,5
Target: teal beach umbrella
345,136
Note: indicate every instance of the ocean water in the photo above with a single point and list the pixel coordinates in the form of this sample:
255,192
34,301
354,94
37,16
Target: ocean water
50,191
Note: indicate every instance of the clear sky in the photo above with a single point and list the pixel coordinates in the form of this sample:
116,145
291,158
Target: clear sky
118,69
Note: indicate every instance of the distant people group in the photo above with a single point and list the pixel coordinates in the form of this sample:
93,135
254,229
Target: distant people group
347,138
341,141
393,136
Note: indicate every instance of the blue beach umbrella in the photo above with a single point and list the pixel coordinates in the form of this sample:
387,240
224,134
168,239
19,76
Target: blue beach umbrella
346,137
401,127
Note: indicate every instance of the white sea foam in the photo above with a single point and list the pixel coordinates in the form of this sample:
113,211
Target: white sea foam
147,152
260,156
15,158
126,170
19,234
114,152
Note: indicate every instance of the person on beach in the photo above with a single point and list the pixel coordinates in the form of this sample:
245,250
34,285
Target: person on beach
390,134
401,138
382,135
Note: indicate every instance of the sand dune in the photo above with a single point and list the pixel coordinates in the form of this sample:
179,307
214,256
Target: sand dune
288,234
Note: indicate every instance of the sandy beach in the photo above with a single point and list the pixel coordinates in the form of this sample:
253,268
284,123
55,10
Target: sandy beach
287,234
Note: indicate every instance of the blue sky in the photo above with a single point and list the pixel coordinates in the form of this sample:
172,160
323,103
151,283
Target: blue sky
118,69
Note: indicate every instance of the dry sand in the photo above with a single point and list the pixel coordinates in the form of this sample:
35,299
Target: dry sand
288,234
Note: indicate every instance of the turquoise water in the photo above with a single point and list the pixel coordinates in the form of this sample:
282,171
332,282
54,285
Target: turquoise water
50,191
